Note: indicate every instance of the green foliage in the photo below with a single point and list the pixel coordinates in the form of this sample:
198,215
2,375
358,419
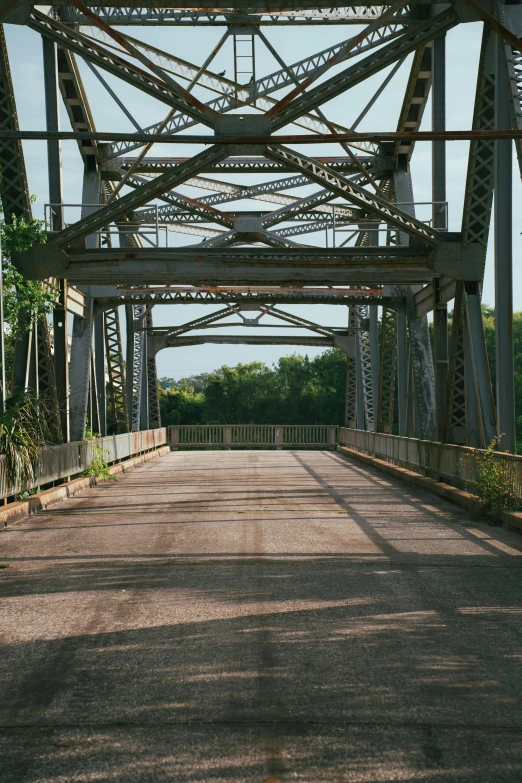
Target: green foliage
98,467
24,300
26,425
493,483
297,390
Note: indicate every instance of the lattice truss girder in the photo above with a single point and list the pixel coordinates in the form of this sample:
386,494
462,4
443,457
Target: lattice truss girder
117,402
387,371
97,45
478,201
355,187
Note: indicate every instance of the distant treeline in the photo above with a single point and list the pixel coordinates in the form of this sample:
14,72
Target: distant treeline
296,390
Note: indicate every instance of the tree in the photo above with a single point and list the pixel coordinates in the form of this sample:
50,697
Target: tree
24,300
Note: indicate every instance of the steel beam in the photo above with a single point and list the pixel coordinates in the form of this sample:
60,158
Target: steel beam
410,41
161,16
439,221
80,370
14,191
156,87
99,370
347,189
234,266
128,203
117,417
504,261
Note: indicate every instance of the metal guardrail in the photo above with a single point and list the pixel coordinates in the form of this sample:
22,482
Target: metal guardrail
71,459
229,436
453,464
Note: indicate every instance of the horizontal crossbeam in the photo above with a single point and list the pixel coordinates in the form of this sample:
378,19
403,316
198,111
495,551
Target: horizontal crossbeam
377,136
240,266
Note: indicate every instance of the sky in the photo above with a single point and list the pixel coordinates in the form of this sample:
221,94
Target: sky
293,44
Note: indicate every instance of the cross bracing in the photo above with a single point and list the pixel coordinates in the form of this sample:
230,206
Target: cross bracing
252,217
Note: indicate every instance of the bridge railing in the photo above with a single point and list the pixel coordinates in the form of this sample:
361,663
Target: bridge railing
230,436
453,464
71,459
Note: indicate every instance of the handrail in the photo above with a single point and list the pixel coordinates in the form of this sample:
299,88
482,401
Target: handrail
228,436
447,461
70,459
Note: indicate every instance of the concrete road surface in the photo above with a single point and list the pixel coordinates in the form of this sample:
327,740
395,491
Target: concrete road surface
231,617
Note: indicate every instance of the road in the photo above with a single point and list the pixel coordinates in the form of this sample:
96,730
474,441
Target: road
257,616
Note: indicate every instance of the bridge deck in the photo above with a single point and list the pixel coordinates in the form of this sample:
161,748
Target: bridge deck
259,616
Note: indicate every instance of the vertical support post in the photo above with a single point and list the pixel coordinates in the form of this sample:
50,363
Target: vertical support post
359,389
99,367
439,217
402,372
373,311
387,371
54,162
350,416
32,381
21,363
504,260
438,123
81,343
421,359
129,360
150,376
95,413
374,358
118,421
46,375
440,340
480,361
80,365
52,113
61,358
144,407
473,430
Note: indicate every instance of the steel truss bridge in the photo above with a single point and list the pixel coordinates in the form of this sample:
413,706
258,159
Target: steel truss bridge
258,221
